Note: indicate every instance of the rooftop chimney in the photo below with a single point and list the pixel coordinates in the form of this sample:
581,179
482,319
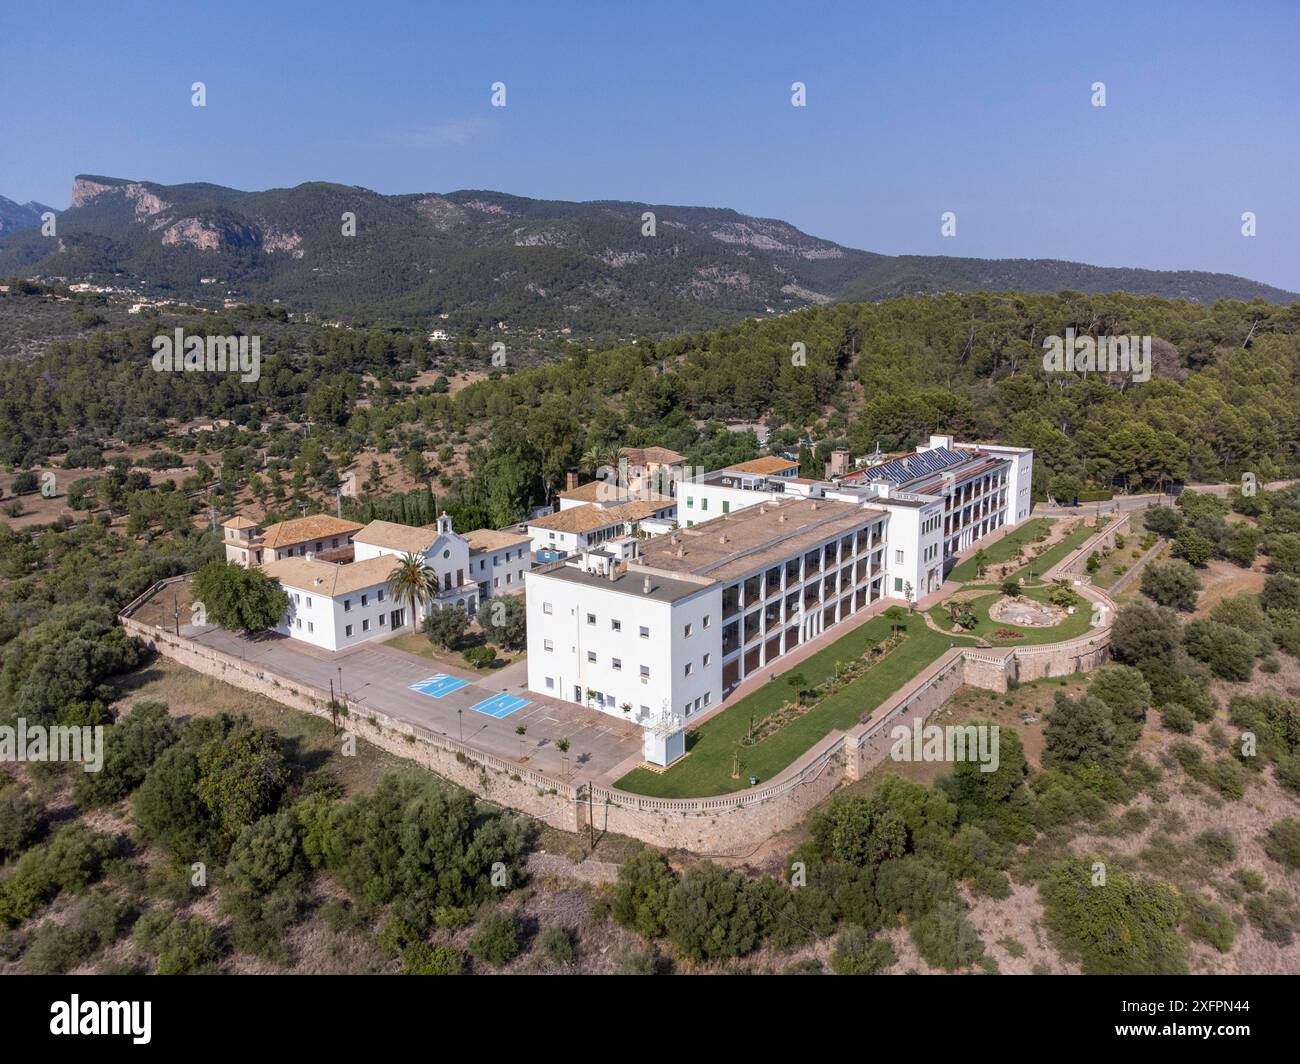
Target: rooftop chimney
722,538
570,479
645,586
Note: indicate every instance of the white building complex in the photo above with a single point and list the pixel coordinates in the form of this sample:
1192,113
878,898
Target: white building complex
652,595
336,572
762,560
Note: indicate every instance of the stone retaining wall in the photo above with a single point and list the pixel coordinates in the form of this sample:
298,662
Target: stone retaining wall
724,825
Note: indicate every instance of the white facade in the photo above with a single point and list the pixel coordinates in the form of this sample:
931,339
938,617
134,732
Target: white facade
677,629
332,613
613,646
500,570
1020,481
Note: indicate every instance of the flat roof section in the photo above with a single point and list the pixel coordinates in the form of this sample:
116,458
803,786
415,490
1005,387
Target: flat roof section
754,537
628,582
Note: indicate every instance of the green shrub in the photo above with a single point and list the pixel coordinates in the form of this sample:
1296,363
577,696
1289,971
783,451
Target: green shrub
712,914
557,944
21,822
856,953
421,958
496,941
1207,922
57,948
945,937
1126,926
130,749
265,853
1177,718
1274,916
1218,846
639,899
1282,843
184,947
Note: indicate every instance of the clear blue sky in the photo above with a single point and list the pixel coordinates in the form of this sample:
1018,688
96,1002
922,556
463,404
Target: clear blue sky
913,109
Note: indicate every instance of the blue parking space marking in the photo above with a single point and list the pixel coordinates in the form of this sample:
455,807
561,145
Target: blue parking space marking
501,705
439,684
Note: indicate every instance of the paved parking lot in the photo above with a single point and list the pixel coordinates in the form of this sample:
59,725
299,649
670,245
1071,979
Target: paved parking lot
390,680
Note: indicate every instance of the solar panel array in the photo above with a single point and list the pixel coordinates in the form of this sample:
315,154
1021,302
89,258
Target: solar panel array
920,464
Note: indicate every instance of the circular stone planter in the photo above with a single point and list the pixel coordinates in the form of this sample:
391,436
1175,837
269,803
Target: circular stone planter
1026,612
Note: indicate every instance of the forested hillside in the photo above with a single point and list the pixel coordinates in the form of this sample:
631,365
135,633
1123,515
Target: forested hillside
1223,398
592,270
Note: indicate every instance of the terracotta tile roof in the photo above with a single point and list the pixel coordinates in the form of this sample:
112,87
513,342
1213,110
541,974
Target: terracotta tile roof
650,456
305,529
404,538
238,521
765,466
589,518
484,539
603,492
327,578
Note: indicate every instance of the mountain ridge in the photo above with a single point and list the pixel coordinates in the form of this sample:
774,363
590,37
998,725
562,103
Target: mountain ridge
481,257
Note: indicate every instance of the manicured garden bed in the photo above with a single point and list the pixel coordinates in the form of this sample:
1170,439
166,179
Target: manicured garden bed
713,745
1004,550
986,628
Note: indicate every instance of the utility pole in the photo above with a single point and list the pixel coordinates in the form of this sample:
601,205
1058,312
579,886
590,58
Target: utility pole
591,814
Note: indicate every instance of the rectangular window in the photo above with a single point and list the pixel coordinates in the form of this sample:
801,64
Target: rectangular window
383,620
687,631
617,626
690,668
898,557
690,502
547,645
365,600
365,625
591,618
707,658
645,672
617,663
726,506
704,504
546,607
898,583
550,683
309,602
310,627
347,605
380,594
591,656
348,631
645,632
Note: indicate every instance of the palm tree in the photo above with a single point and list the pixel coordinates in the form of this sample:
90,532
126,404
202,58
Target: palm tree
596,456
412,581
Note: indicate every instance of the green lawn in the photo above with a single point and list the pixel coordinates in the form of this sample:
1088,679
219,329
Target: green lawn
1073,540
418,643
1073,625
711,746
1004,549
